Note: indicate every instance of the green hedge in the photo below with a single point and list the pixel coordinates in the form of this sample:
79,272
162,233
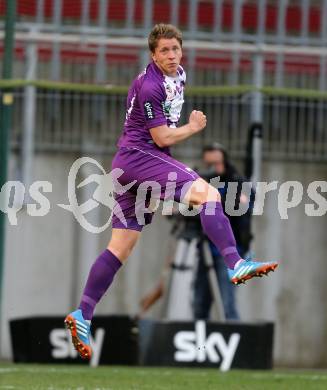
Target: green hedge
189,91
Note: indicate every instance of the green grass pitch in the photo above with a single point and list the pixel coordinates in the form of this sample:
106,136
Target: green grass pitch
55,377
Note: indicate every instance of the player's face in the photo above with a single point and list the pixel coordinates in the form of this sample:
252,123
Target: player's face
167,55
215,159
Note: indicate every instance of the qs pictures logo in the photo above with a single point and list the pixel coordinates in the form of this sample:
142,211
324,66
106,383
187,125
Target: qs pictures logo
107,185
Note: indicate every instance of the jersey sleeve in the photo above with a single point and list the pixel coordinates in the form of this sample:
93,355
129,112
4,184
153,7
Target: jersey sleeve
151,99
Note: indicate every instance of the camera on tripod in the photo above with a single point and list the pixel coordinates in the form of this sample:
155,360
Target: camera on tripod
189,227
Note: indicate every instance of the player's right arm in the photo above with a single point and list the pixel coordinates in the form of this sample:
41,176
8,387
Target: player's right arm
165,136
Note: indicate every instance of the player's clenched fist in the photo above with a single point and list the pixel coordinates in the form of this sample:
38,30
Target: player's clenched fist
197,121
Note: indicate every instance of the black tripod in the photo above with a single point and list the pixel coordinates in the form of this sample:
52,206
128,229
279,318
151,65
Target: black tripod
183,268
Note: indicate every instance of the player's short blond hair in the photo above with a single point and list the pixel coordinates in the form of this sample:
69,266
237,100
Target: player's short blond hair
161,30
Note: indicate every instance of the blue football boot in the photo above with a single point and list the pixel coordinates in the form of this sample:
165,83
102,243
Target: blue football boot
80,331
248,269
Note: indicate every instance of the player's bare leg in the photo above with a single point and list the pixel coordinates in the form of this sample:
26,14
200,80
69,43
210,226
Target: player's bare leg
122,242
217,227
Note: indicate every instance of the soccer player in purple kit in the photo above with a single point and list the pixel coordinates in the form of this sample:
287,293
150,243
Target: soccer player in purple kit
154,104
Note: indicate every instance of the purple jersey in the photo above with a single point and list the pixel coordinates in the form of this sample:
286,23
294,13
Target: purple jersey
154,99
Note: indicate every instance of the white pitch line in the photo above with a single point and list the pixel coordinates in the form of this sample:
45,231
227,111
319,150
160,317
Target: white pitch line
7,387
314,377
4,370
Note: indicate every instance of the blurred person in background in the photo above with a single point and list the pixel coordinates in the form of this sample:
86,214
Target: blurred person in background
217,163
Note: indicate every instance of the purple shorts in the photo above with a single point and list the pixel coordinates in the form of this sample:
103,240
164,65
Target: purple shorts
155,175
